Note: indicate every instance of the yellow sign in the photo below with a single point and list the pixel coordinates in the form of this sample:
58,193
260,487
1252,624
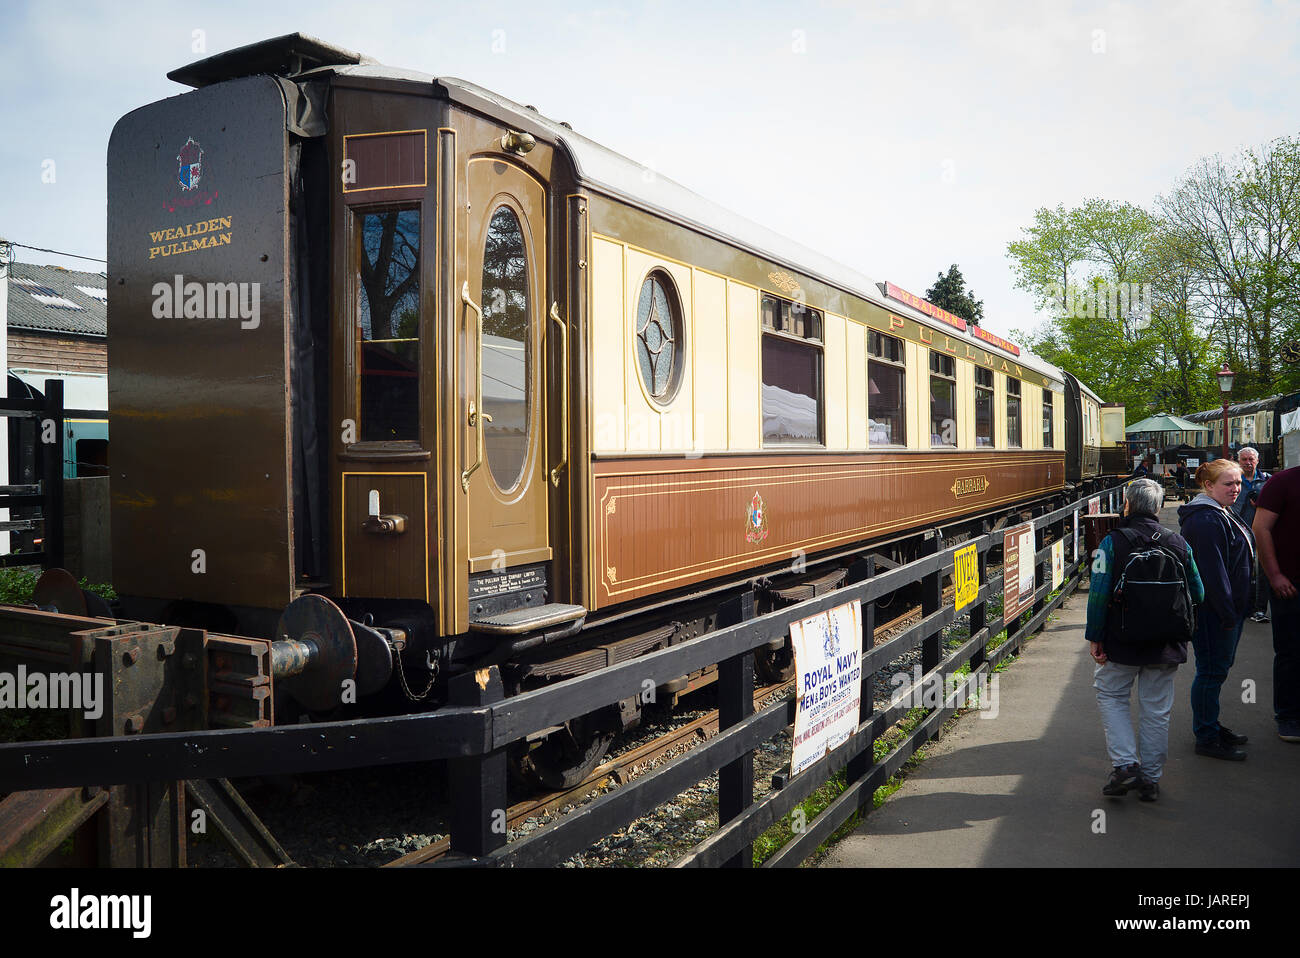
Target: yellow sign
1058,563
966,575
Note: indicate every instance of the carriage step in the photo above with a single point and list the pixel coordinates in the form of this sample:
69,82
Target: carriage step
529,619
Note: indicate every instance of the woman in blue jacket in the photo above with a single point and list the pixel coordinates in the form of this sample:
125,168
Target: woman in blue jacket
1225,556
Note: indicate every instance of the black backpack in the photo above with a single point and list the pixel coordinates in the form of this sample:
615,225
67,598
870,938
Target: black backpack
1151,601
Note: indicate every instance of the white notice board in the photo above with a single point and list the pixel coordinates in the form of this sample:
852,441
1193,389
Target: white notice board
828,666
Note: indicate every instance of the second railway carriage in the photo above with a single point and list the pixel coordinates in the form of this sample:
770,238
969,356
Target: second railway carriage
1254,423
504,396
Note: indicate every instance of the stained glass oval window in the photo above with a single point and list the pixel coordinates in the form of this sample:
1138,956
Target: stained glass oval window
658,341
505,355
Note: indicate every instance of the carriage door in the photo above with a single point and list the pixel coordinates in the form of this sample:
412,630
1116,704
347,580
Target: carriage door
504,309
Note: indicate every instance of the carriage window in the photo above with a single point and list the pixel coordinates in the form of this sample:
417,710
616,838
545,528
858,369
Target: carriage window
885,382
1013,412
505,355
983,407
1047,418
658,334
792,372
943,400
388,320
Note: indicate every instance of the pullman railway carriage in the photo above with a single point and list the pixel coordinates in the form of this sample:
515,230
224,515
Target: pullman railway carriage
403,366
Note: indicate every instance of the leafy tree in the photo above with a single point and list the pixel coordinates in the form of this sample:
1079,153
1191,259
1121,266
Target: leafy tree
1045,258
1239,225
951,293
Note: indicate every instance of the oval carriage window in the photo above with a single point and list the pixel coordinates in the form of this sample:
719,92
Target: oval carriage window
505,354
659,336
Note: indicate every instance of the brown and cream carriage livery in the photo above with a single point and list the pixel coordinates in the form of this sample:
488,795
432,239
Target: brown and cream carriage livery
506,396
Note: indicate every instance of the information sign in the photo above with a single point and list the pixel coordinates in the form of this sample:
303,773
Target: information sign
1017,569
828,665
966,575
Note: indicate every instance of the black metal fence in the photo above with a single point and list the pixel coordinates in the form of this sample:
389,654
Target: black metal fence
476,729
49,415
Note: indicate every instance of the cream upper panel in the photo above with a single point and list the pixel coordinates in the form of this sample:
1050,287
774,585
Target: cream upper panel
717,404
835,387
855,354
708,358
1032,400
744,391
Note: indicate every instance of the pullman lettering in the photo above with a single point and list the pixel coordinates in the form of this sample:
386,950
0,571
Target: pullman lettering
201,235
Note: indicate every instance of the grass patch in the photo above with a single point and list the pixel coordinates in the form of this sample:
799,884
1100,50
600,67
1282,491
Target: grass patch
17,585
35,725
783,831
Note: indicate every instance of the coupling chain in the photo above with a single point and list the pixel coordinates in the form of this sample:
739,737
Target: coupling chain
401,677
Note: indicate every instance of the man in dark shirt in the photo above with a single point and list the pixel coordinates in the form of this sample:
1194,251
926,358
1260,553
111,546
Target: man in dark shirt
1277,534
1252,481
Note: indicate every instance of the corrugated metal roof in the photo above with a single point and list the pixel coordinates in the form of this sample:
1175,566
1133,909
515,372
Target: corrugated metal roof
51,299
1240,409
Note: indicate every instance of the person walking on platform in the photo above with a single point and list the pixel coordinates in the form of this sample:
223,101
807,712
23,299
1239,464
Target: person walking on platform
1140,613
1252,481
1225,555
1277,528
1180,480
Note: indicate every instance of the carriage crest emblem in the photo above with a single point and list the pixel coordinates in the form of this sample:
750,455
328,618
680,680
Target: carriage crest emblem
190,168
756,520
831,637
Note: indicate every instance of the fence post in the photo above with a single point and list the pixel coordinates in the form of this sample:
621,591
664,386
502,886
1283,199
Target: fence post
861,763
478,782
52,475
735,703
931,601
1042,571
979,611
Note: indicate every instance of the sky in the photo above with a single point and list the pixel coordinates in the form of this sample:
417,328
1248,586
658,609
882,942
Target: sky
895,137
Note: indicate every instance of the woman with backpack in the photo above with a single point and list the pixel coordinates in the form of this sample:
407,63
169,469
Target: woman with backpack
1141,605
1225,556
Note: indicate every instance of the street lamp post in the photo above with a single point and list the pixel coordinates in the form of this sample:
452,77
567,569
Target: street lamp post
1225,386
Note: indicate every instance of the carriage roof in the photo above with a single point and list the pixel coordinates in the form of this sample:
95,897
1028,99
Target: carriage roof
607,171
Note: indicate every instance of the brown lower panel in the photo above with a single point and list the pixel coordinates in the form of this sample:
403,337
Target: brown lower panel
663,524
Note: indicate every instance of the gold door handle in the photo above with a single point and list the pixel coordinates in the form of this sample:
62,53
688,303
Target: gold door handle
475,404
564,395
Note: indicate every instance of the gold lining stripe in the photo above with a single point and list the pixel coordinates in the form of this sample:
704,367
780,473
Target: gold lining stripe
759,558
847,471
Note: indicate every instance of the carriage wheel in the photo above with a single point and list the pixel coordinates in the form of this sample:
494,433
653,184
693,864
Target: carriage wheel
774,666
566,757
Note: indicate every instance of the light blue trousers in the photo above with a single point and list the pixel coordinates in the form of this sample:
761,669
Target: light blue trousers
1155,693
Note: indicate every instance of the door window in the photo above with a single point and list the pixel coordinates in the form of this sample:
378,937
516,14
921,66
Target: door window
388,324
506,356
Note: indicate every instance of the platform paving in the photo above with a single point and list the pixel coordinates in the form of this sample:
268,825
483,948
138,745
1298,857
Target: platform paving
1024,788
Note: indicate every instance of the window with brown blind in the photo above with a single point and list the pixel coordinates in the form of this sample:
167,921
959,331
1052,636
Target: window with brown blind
886,382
